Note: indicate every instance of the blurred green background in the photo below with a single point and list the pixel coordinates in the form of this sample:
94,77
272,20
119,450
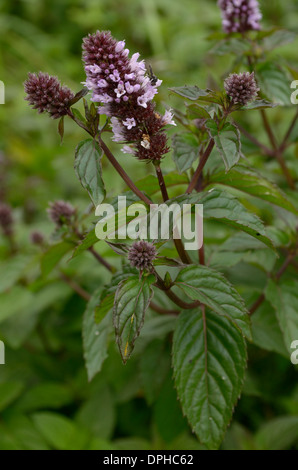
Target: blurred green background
45,398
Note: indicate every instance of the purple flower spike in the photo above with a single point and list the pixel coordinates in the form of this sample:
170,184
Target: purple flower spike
241,88
46,94
239,16
121,85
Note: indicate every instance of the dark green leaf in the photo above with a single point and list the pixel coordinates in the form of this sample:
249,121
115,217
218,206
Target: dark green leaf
209,359
95,337
274,83
283,297
88,169
132,299
185,151
249,181
227,141
211,288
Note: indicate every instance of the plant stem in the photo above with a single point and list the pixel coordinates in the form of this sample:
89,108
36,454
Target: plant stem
173,297
161,310
278,275
201,165
288,134
78,289
277,151
177,241
96,255
266,150
122,173
101,260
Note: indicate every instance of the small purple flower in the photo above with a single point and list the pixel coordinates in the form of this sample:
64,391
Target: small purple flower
240,15
6,220
241,88
142,254
46,94
61,212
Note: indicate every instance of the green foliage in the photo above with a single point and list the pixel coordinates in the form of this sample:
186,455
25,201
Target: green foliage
71,304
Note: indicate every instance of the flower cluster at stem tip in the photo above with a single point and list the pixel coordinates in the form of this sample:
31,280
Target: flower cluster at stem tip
124,90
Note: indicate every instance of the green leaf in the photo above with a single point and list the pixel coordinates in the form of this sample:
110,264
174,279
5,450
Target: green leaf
214,290
209,359
266,331
100,420
220,205
95,336
235,46
274,83
195,93
154,358
132,299
185,151
258,104
278,38
9,392
278,434
88,241
53,255
19,325
88,169
165,261
194,111
14,301
249,181
12,270
226,208
60,432
227,141
283,297
45,395
28,436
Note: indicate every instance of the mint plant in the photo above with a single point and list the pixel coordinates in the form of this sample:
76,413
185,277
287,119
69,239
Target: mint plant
211,318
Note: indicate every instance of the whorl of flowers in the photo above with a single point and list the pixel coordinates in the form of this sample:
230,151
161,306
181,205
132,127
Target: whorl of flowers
6,220
142,254
37,238
61,212
240,15
46,94
125,91
241,88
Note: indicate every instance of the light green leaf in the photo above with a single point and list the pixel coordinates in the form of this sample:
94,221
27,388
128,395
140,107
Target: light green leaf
227,141
88,169
195,93
154,358
95,336
283,297
88,241
185,151
9,392
53,255
258,104
132,299
221,205
266,331
60,432
209,359
278,434
249,181
212,289
274,83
